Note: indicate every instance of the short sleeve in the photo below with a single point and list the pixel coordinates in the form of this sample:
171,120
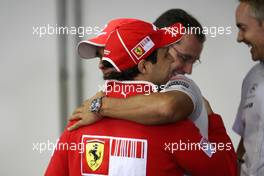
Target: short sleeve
238,125
260,102
183,84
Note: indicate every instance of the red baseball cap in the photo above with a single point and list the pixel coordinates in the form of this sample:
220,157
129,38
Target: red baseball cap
87,48
132,42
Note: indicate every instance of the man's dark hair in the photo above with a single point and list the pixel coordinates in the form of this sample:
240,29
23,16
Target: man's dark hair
173,16
130,73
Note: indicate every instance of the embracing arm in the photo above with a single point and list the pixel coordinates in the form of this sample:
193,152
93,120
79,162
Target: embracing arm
156,108
153,109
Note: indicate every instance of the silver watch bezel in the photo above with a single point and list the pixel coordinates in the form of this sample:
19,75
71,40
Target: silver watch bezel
96,105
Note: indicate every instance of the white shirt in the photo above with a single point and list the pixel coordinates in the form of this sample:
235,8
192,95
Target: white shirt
199,115
249,122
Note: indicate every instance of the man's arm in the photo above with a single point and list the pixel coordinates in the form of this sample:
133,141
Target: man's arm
156,108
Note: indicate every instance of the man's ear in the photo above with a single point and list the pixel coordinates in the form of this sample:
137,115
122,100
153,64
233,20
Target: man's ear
143,66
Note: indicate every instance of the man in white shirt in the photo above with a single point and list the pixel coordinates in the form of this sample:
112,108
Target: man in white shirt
186,102
249,123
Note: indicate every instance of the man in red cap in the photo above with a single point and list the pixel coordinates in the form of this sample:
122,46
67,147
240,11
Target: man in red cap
139,52
94,47
186,52
160,108
185,100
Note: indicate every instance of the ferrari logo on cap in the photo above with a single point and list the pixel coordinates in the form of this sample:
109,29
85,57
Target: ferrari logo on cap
143,47
139,51
94,153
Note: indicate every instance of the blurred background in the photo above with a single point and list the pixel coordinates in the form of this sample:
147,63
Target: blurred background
42,79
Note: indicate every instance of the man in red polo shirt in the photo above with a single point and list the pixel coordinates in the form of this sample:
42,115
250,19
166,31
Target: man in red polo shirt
119,147
169,107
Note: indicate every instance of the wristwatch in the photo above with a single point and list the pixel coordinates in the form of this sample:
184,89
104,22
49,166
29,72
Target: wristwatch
96,104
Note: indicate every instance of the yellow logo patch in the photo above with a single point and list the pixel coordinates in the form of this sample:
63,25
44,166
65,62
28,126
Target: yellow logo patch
138,51
94,153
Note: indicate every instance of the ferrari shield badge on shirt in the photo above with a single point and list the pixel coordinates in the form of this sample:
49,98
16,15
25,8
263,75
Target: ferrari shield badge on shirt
113,156
94,153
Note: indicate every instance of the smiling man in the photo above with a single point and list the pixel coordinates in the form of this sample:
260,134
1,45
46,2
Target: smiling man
183,103
249,123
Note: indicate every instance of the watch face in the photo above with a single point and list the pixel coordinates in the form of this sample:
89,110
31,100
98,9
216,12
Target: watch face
95,105
92,106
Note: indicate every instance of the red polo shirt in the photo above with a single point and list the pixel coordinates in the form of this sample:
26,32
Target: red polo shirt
118,147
